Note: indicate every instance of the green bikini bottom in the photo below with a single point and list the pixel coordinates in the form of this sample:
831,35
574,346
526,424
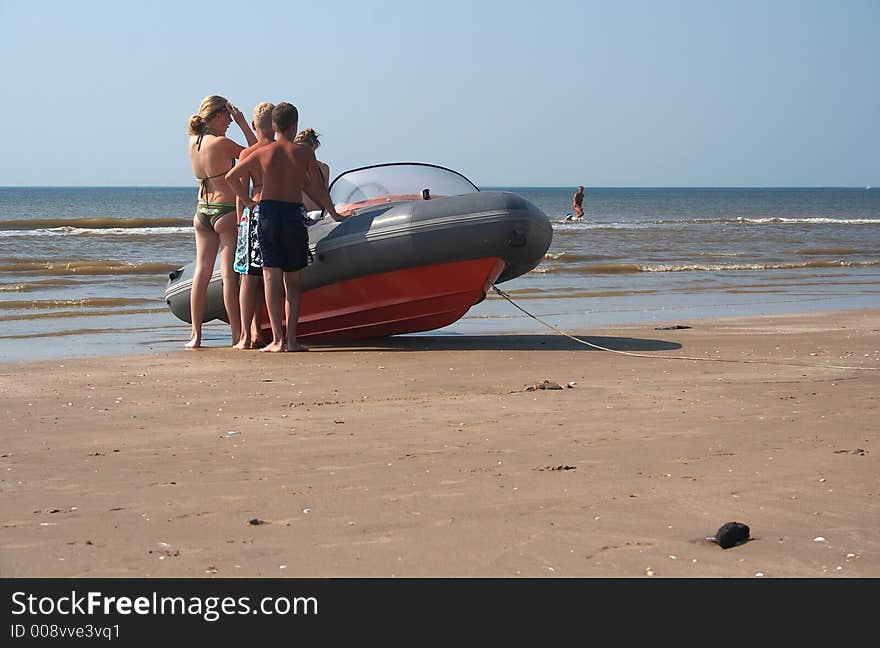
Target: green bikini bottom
209,213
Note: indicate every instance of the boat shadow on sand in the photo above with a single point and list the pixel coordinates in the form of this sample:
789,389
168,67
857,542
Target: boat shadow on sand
502,343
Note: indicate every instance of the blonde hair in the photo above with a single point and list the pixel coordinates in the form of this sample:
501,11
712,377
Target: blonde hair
210,106
263,117
308,137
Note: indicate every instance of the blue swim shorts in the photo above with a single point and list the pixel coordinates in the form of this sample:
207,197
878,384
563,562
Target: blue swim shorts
248,259
282,235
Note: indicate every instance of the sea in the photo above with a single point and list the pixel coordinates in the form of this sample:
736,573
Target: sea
83,270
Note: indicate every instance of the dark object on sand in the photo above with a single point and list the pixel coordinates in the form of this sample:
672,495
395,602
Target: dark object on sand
544,384
731,535
674,327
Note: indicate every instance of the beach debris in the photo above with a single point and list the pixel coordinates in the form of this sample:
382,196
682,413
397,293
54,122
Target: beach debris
543,468
730,535
571,385
819,539
858,451
211,570
257,522
673,327
166,551
544,384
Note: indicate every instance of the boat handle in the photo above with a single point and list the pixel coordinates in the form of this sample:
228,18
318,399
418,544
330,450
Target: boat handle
517,238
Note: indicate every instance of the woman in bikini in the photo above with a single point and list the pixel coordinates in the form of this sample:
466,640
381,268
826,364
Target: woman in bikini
212,154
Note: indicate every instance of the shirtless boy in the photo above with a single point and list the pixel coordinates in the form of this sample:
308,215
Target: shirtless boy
288,169
249,261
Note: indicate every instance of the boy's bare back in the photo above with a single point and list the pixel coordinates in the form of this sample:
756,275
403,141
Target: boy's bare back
285,170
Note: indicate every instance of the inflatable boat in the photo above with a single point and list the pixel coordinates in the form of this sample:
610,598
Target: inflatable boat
420,245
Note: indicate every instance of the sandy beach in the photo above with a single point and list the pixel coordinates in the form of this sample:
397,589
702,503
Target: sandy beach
436,456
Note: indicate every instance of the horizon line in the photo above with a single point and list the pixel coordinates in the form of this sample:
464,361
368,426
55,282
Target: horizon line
486,186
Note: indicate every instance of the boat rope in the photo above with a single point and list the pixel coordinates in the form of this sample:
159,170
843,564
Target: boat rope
667,357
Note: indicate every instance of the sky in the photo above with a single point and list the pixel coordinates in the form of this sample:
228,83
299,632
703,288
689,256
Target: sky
636,93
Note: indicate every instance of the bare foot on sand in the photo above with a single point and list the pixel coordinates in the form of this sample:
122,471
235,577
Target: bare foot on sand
194,343
274,347
243,344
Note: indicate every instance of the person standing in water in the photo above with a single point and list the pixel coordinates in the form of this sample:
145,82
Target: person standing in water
248,259
288,170
211,155
577,205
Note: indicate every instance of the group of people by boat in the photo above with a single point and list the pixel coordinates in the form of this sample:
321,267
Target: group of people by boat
252,211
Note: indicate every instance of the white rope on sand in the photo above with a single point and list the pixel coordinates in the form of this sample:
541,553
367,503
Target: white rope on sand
666,357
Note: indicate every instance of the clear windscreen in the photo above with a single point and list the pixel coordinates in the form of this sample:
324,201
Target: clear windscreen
361,188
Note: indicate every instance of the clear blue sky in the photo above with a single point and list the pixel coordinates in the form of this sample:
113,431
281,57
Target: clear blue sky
552,93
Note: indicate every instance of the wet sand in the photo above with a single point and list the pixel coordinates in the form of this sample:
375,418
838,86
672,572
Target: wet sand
431,456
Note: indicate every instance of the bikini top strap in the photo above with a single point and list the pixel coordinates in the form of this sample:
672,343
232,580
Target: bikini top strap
204,181
205,131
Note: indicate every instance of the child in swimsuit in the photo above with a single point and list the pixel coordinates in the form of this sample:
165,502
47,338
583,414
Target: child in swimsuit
289,170
248,257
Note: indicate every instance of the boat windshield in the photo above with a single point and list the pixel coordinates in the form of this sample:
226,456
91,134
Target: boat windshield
389,183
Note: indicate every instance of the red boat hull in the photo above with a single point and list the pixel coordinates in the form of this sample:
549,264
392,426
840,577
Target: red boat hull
404,301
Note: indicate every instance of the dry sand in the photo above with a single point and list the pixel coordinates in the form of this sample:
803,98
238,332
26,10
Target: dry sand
429,456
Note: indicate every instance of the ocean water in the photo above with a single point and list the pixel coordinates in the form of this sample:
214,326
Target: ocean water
83,270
